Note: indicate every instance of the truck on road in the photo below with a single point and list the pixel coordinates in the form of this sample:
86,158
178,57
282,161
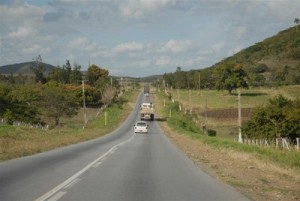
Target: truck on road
146,89
147,111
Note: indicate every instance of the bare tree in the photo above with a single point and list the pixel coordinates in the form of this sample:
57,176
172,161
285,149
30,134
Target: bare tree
296,21
108,96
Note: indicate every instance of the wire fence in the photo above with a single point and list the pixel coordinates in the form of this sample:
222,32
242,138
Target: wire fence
282,143
24,124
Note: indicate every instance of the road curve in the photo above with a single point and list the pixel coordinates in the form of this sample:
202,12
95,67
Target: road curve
120,166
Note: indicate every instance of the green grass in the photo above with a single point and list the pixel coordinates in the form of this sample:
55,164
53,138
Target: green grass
183,125
18,141
214,99
220,99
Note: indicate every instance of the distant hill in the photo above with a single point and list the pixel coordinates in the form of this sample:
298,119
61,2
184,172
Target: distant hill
275,59
22,68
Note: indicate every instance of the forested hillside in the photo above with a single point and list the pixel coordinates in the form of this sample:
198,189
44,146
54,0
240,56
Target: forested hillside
23,68
276,60
273,62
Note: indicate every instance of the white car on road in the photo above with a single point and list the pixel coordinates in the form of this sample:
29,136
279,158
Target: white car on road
141,127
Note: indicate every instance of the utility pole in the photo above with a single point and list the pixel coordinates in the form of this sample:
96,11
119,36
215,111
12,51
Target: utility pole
84,108
240,140
199,81
205,124
111,83
190,102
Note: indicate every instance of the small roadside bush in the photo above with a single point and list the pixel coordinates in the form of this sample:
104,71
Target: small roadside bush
211,133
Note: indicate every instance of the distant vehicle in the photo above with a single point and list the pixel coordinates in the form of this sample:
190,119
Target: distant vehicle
141,127
147,111
146,88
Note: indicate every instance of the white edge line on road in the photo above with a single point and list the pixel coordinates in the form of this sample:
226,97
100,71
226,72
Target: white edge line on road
76,175
57,196
70,185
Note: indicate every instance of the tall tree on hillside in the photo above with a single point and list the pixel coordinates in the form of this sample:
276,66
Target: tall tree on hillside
38,68
180,78
297,21
168,80
231,77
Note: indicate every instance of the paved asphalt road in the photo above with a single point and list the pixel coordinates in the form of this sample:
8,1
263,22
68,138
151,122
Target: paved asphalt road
121,166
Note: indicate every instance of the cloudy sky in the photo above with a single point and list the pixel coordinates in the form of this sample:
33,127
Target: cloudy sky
138,37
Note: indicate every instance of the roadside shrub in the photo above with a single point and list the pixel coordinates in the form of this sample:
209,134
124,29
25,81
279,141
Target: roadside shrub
8,116
211,133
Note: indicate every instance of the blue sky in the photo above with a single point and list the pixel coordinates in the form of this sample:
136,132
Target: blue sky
138,37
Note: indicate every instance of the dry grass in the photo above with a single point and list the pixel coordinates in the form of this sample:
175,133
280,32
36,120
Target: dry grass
260,179
22,141
222,109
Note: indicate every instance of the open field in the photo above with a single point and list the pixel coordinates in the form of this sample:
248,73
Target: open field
260,173
219,111
18,141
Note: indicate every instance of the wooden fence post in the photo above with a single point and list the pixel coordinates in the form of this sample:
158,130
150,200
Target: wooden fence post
298,143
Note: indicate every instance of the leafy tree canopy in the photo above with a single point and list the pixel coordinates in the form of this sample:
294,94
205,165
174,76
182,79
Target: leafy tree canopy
279,118
231,77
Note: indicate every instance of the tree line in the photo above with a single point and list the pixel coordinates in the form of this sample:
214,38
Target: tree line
279,118
45,99
228,77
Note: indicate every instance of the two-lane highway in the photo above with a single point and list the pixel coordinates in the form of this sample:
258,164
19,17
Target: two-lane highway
118,167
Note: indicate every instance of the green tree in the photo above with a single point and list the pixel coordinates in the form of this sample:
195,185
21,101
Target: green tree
4,100
19,103
38,68
297,21
279,118
76,75
231,77
56,74
180,79
57,102
67,69
169,80
95,74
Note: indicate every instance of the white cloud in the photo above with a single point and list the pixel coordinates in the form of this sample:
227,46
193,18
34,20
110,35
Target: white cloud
163,61
240,31
160,34
68,2
218,46
13,16
22,33
235,50
176,46
137,8
128,47
81,44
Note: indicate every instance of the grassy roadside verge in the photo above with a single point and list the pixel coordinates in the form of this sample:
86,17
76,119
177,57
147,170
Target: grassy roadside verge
219,110
22,141
184,125
260,173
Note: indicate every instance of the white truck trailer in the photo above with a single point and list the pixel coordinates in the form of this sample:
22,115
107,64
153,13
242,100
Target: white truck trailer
147,111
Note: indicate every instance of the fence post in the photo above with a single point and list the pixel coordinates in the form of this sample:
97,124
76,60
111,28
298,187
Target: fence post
298,143
285,143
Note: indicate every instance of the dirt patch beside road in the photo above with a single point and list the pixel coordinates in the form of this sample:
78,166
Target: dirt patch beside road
253,177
